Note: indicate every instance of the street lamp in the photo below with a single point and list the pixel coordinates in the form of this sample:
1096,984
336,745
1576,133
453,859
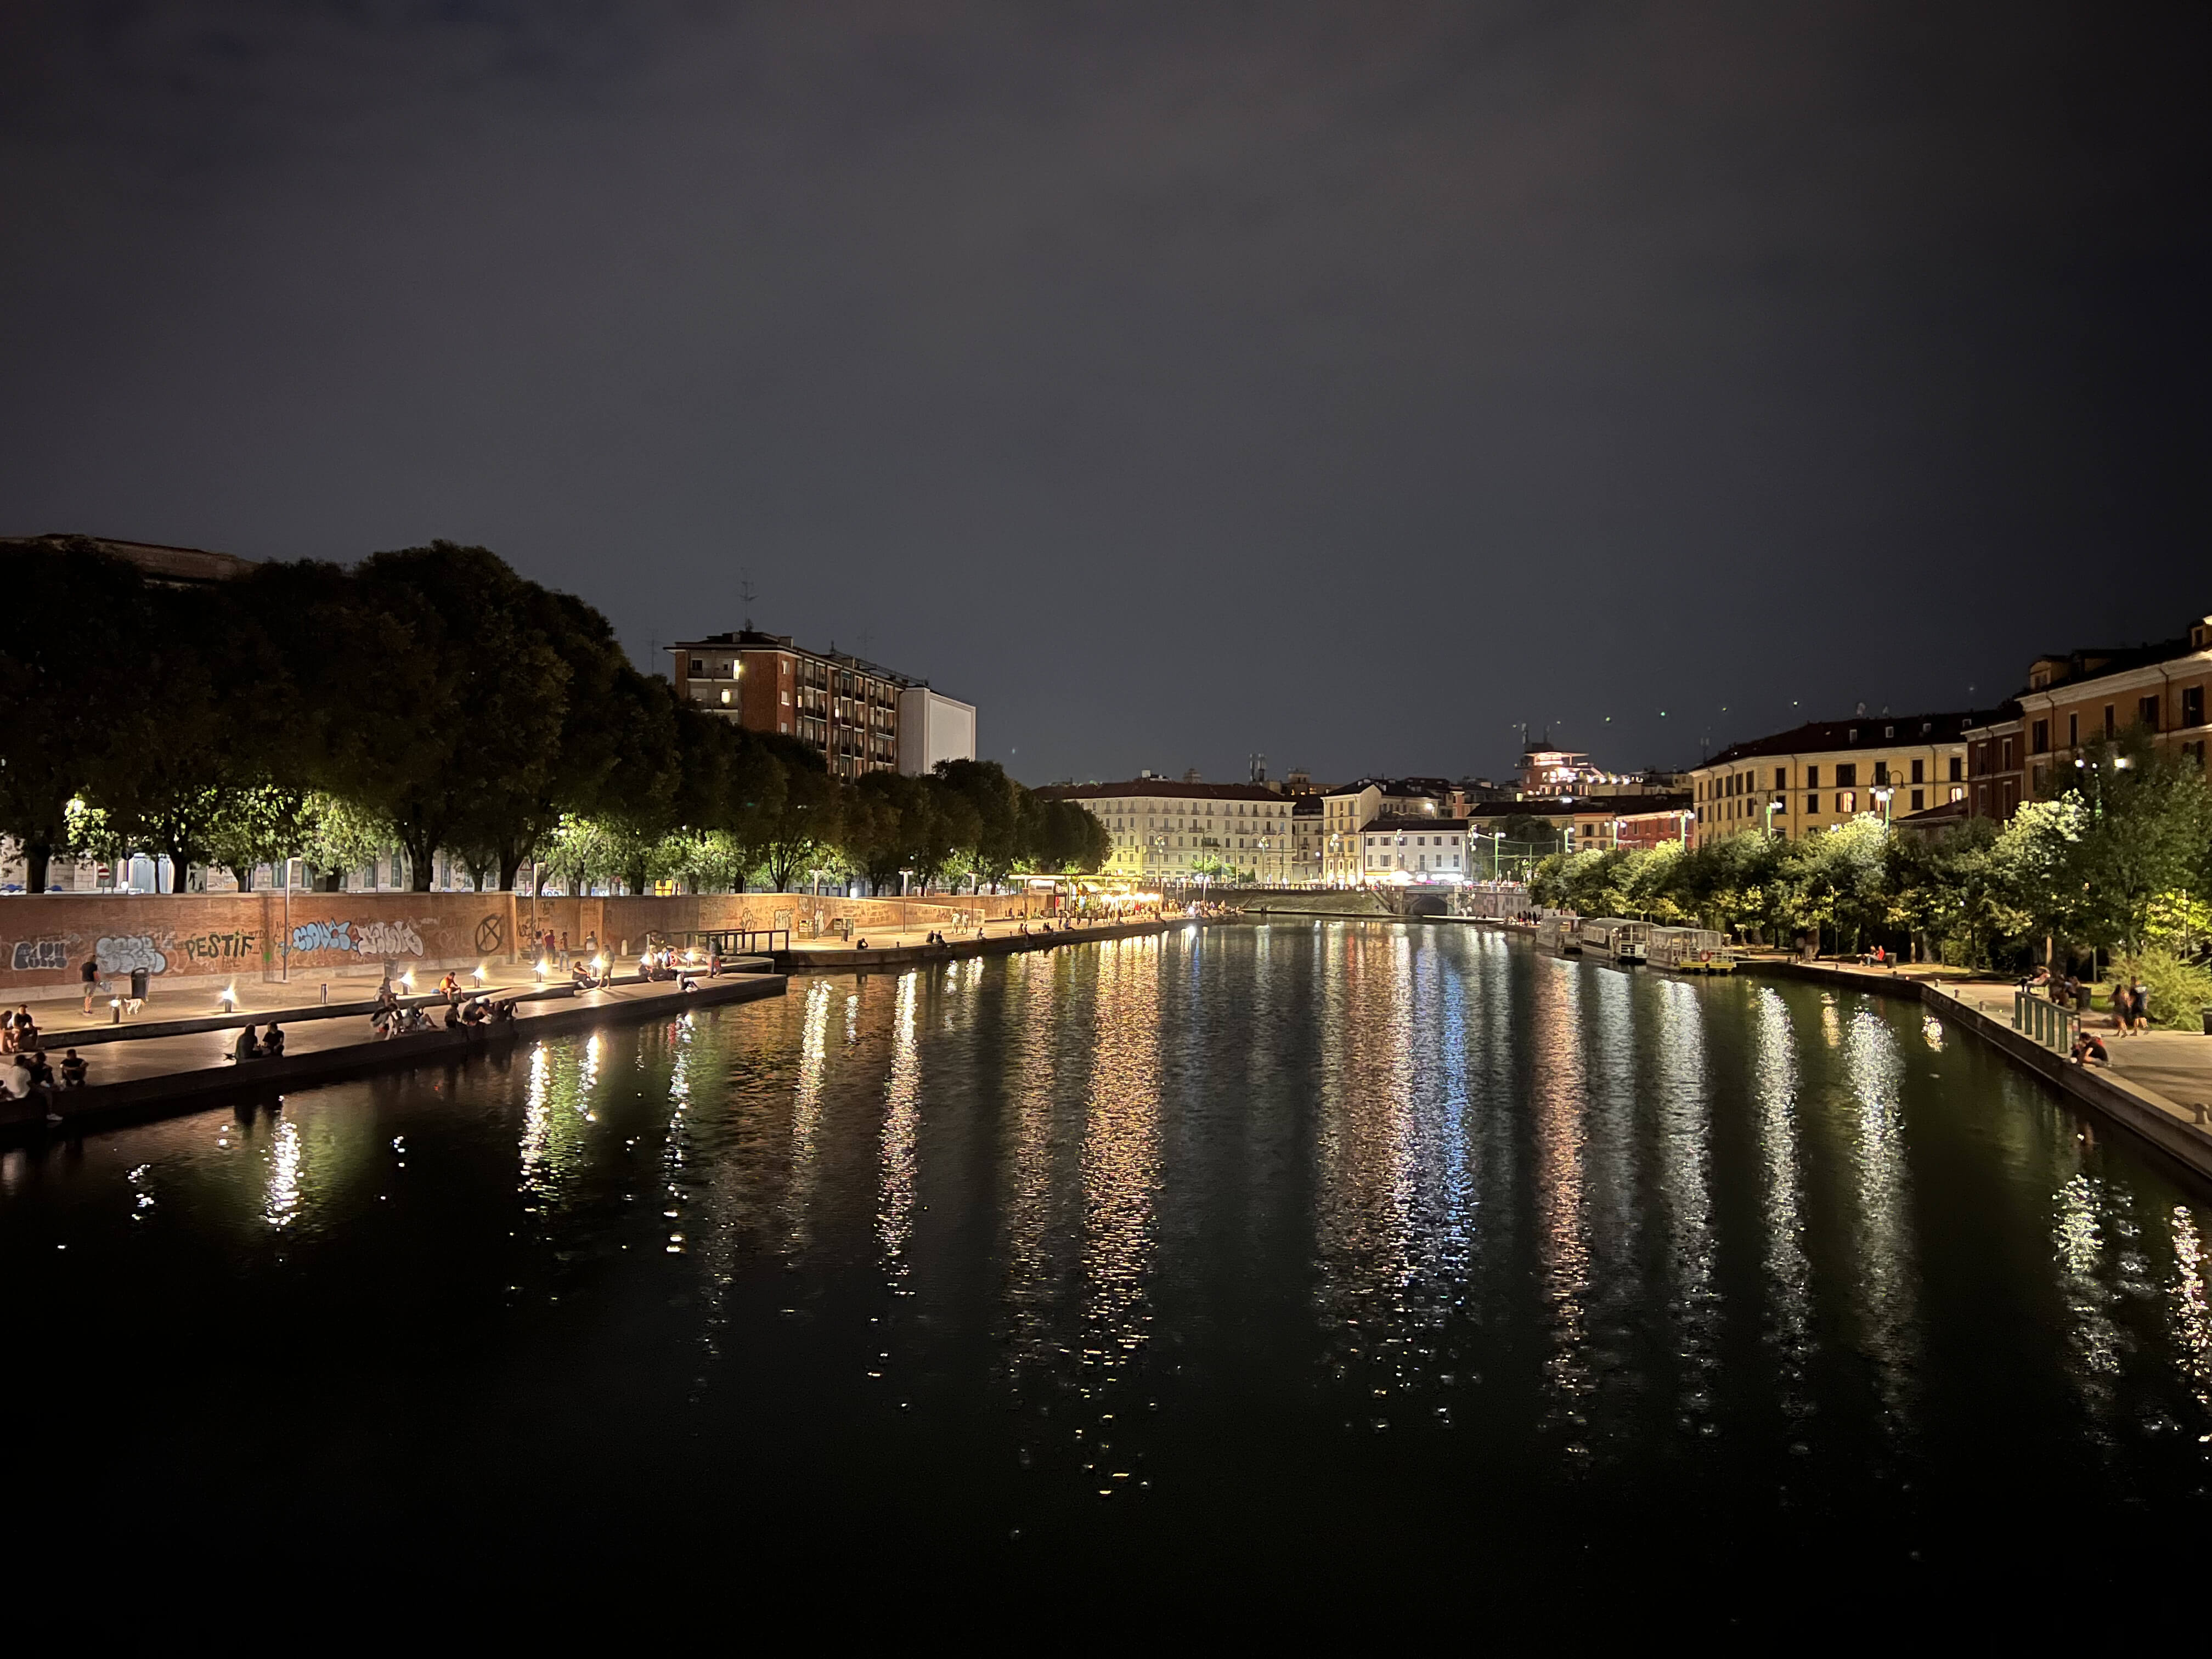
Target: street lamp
1883,794
1772,807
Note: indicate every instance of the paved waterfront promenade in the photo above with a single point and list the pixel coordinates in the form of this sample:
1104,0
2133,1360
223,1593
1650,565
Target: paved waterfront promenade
2159,1084
146,1075
175,1053
891,948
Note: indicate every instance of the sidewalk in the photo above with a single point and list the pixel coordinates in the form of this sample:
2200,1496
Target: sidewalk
2173,1067
199,997
156,1074
894,939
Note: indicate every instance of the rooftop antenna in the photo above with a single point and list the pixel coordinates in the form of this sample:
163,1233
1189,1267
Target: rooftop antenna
1259,768
747,594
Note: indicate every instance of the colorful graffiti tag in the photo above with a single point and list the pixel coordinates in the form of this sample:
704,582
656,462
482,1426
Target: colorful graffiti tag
366,938
36,955
130,953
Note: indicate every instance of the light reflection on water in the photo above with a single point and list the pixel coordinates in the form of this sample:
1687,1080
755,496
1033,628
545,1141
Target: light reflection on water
1377,1203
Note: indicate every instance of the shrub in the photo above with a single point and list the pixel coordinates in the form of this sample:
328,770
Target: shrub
2178,989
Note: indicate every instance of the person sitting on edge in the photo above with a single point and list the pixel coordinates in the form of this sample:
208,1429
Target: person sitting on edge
450,989
272,1042
72,1070
454,1016
245,1047
863,944
2088,1048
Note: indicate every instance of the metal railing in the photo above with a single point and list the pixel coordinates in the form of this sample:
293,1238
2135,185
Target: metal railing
2044,1021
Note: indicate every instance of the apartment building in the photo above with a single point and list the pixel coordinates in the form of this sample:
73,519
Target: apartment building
1817,776
1166,830
1306,838
1413,848
850,711
1346,811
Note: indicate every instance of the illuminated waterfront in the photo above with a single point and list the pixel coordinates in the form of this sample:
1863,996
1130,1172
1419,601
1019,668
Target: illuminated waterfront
1347,1247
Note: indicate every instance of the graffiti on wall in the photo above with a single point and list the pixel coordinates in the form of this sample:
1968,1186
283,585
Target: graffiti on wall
34,954
368,938
130,953
219,947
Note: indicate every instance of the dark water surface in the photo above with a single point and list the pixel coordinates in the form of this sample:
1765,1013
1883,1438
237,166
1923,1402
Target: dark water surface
1258,1259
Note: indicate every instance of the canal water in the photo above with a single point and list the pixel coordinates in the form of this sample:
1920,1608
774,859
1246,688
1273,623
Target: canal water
1249,1261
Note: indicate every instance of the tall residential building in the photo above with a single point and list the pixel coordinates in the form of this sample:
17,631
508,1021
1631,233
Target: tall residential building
851,711
1818,775
1166,830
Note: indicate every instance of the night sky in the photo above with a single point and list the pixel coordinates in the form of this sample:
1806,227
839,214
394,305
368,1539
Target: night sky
1350,384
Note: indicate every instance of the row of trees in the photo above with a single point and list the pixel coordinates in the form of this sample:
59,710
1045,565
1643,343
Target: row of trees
431,700
2122,864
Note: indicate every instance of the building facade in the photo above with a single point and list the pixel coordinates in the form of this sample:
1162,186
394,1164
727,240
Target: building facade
844,707
932,727
1346,810
1163,830
2159,691
1421,849
1818,775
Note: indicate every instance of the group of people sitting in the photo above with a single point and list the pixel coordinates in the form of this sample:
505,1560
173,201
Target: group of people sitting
19,1032
32,1076
270,1045
464,1011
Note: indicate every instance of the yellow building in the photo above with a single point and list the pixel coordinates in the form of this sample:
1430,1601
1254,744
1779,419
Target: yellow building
1821,775
1163,830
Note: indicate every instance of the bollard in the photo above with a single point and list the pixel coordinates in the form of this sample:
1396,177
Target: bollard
326,994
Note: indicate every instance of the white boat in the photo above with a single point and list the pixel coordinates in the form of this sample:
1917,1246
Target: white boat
1689,951
1613,938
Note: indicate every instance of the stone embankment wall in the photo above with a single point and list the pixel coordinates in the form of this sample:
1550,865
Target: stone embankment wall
45,937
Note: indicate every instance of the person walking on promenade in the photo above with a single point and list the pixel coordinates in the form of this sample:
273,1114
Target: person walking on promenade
2141,1001
90,974
2122,1007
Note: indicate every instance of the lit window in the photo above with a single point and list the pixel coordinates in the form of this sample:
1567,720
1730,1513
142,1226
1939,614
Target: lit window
725,696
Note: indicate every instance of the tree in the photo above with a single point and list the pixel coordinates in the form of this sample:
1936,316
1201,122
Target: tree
259,824
339,837
2145,824
488,701
202,748
72,698
804,828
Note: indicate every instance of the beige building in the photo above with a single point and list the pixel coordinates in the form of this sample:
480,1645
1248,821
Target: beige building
1821,775
1163,830
1348,810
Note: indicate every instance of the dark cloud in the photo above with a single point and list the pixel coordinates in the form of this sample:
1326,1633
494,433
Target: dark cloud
1344,383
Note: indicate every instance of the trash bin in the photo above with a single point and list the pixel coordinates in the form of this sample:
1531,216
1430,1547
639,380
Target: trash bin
2208,1021
138,976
